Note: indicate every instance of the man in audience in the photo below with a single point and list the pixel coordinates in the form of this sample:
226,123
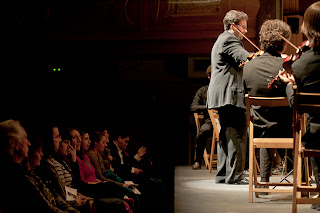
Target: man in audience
123,165
17,193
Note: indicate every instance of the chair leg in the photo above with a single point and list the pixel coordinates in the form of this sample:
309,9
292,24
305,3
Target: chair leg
205,157
295,174
255,168
306,174
212,153
251,170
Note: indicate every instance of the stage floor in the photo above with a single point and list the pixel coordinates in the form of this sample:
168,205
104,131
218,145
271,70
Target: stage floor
197,192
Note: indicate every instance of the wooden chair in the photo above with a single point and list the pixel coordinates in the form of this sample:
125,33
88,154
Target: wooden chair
209,159
254,143
214,116
303,103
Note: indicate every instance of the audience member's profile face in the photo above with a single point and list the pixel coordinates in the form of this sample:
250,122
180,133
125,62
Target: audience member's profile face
123,143
63,149
101,144
35,160
56,138
85,142
105,133
23,146
76,139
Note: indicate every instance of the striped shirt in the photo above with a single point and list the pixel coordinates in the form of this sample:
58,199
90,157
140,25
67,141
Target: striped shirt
63,171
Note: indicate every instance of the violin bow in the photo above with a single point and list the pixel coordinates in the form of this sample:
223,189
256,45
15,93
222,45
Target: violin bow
234,25
292,45
276,78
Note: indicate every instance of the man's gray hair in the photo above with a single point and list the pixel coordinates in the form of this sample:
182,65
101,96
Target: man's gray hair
10,133
233,16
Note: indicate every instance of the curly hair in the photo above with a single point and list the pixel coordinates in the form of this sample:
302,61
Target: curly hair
269,39
311,24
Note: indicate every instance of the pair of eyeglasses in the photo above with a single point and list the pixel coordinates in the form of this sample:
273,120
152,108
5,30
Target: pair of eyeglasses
59,136
243,26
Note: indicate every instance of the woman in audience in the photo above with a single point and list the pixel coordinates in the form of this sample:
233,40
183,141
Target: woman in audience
95,154
87,171
66,165
50,202
106,154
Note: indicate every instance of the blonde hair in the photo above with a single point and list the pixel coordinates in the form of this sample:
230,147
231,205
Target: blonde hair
10,133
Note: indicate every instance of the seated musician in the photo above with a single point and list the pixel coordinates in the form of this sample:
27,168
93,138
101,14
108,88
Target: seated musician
269,122
306,70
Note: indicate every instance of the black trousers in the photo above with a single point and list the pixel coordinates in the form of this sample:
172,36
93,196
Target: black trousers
232,144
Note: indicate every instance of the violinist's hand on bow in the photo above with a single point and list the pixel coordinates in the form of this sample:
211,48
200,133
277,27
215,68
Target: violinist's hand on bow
286,77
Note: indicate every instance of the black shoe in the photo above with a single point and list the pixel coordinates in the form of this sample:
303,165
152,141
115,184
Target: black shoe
196,166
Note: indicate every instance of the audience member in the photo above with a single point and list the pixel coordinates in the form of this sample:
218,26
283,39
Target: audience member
13,150
123,164
95,155
66,165
50,202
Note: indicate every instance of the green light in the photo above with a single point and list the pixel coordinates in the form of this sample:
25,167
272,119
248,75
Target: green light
56,69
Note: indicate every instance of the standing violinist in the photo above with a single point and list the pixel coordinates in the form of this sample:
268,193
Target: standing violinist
225,93
273,121
306,74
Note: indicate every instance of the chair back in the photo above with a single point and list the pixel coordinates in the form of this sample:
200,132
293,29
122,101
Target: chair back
198,117
278,143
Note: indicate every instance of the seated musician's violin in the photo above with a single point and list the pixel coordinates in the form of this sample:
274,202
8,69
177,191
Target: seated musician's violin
287,62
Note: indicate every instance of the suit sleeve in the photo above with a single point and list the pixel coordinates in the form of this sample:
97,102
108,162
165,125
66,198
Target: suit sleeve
234,48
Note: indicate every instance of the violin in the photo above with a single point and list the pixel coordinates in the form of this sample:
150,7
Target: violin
251,55
287,62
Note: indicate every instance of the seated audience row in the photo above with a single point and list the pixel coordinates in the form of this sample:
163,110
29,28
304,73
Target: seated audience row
47,167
